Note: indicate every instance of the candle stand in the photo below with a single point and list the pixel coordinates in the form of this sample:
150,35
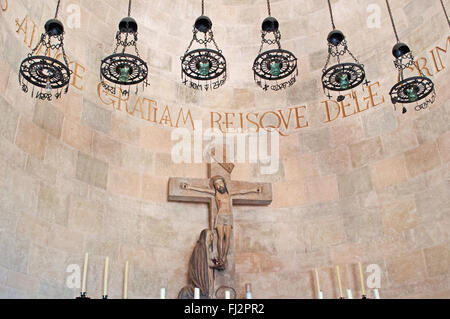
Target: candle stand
83,296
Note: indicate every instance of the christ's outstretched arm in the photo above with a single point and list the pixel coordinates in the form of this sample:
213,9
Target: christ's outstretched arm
197,189
258,190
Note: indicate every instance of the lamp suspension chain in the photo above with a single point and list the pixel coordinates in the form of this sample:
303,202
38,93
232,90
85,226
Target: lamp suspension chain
392,20
268,8
331,15
203,7
445,12
129,8
57,9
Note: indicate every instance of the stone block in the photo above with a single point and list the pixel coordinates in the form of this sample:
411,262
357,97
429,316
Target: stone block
437,260
379,122
315,140
77,136
322,189
389,172
432,125
96,117
405,268
124,182
356,182
335,161
422,159
8,120
154,188
52,205
366,152
48,118
14,252
92,171
31,139
444,147
85,215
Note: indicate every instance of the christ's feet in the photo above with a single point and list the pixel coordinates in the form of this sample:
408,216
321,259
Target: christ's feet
220,265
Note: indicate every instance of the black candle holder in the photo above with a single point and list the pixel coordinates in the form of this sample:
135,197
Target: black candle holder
364,297
105,297
83,296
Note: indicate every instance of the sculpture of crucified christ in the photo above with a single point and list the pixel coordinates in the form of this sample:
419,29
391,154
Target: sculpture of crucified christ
223,219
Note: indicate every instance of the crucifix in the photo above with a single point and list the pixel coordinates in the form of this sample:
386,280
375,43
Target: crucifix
221,193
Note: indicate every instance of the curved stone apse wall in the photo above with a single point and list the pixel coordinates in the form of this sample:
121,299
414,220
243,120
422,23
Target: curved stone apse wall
358,181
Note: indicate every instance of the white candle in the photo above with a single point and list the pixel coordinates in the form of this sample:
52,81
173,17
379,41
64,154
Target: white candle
85,270
320,295
196,293
317,279
125,282
339,282
227,294
105,277
349,294
163,293
248,291
377,293
361,275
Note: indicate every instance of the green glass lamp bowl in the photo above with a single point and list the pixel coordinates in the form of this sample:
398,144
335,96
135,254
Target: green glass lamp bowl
344,81
204,68
124,72
275,68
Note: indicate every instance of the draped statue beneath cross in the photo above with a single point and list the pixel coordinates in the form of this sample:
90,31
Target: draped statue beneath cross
201,268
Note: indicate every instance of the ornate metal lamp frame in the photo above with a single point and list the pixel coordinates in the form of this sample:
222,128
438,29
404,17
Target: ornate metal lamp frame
203,68
123,69
274,65
412,89
341,76
42,71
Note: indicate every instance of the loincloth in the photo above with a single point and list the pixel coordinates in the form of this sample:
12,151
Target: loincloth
225,220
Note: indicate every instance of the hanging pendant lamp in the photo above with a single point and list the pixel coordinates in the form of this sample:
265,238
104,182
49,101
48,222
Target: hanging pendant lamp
121,68
413,89
272,67
341,76
204,68
46,74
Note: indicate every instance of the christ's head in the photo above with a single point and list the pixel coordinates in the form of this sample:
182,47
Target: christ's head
219,184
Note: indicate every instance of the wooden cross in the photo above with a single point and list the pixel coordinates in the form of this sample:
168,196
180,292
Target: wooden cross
206,191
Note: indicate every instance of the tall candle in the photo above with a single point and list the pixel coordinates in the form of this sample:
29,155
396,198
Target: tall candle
377,293
248,291
349,294
105,277
196,293
85,270
317,279
163,293
125,282
227,294
361,275
339,282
